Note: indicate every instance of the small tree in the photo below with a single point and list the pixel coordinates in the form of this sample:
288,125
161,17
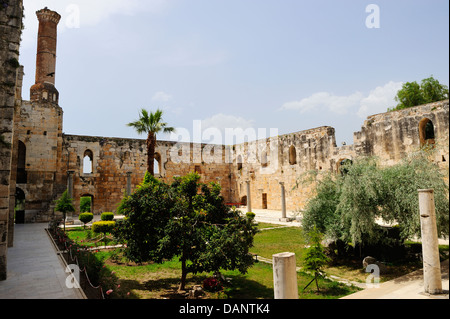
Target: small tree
315,258
86,218
103,227
64,205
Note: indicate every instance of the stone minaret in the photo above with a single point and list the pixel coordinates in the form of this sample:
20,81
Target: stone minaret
44,87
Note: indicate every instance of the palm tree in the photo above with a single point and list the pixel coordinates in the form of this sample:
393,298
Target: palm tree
150,123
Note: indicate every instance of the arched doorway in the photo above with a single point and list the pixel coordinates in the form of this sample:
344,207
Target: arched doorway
19,207
426,132
87,203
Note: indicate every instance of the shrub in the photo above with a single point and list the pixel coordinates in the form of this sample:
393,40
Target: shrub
86,218
107,216
212,284
103,226
250,215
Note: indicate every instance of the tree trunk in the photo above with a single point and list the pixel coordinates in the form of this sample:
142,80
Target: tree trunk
151,144
183,274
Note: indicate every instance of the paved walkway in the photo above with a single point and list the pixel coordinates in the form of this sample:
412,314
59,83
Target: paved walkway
34,269
409,286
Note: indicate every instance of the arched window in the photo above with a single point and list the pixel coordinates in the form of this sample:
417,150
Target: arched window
292,155
157,164
343,164
88,159
426,132
239,162
21,164
264,160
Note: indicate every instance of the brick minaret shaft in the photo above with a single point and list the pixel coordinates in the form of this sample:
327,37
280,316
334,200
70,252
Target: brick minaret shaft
44,87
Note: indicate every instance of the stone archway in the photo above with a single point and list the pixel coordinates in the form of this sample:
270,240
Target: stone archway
426,132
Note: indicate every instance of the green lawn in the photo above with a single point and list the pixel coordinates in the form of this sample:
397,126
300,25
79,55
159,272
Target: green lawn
155,281
160,280
278,240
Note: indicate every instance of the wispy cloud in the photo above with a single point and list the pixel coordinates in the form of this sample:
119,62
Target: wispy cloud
86,13
378,100
222,121
161,97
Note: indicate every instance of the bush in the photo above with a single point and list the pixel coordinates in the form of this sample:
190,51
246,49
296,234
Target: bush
107,216
212,284
86,218
250,215
103,226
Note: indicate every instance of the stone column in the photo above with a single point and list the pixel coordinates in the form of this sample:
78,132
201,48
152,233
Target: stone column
430,250
70,183
249,199
285,276
283,202
129,183
69,217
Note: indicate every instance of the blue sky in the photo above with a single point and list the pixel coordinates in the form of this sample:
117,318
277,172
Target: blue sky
288,64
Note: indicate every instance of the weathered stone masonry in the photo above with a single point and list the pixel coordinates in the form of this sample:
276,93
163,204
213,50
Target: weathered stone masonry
11,13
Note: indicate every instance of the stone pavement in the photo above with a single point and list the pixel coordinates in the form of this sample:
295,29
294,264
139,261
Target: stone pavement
409,286
35,271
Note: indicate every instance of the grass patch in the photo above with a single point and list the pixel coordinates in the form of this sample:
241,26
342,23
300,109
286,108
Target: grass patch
274,241
160,281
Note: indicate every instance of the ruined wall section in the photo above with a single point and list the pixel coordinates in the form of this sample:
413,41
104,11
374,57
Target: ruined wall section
293,159
391,136
39,134
11,14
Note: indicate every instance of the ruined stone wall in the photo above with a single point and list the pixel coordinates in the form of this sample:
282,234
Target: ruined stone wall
297,159
39,134
392,135
284,159
11,13
113,158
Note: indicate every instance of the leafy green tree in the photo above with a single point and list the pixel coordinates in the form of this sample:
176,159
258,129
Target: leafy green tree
189,220
433,91
412,94
64,205
315,258
150,123
147,212
346,206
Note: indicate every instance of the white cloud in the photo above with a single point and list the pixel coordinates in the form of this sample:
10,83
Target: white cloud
378,100
222,121
161,97
320,100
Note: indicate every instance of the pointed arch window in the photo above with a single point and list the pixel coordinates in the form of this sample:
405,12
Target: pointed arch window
88,161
